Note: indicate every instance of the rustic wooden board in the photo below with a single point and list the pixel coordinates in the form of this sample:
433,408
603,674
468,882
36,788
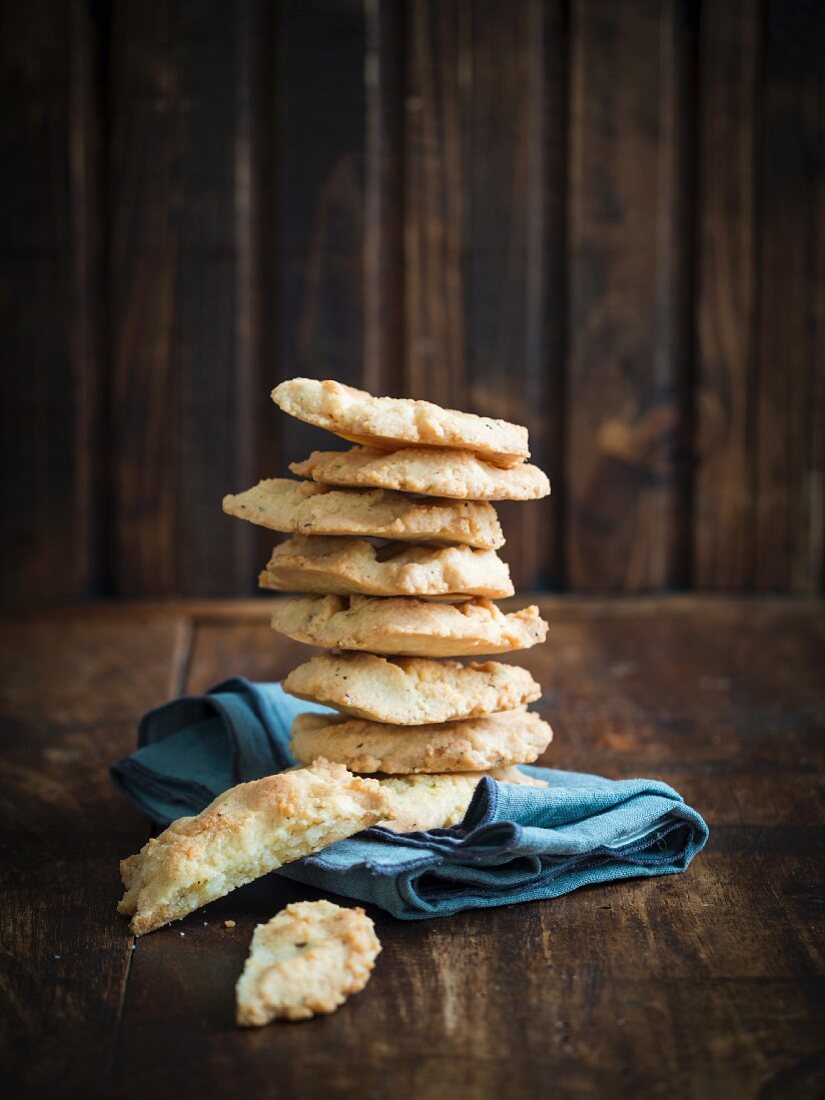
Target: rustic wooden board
437,102
484,242
143,255
215,367
790,515
625,399
49,249
708,982
601,220
183,359
726,279
383,198
320,169
71,693
514,306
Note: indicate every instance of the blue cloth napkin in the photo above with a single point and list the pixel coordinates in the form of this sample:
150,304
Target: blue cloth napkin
515,844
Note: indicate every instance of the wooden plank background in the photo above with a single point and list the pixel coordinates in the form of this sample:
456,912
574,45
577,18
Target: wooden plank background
602,218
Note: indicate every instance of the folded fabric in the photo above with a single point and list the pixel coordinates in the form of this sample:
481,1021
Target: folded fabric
516,843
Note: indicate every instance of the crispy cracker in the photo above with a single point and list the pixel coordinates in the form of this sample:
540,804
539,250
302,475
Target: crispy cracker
304,508
430,471
390,422
407,627
411,691
476,744
345,566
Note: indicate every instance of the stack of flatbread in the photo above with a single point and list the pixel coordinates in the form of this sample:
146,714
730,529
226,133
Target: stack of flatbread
393,547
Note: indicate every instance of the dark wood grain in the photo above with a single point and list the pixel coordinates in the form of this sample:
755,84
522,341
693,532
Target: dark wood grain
257,201
215,367
483,205
182,425
144,202
383,198
514,299
791,451
602,220
626,340
49,253
436,199
726,315
70,694
708,982
321,170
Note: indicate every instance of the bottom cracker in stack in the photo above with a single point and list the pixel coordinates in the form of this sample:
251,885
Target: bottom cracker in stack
436,726
439,801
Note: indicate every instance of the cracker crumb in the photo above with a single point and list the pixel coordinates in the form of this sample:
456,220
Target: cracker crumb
229,924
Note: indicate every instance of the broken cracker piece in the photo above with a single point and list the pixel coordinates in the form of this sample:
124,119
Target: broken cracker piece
306,960
245,833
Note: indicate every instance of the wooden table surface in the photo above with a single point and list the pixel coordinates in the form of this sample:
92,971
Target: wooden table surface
706,984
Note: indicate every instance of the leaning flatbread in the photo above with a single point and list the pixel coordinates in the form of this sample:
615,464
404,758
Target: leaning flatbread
245,833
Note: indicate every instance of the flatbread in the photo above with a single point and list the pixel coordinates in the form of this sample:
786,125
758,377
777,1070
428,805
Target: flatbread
411,691
476,744
407,627
304,508
344,566
390,422
430,471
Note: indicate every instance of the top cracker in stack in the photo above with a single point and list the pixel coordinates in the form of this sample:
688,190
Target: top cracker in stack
393,616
